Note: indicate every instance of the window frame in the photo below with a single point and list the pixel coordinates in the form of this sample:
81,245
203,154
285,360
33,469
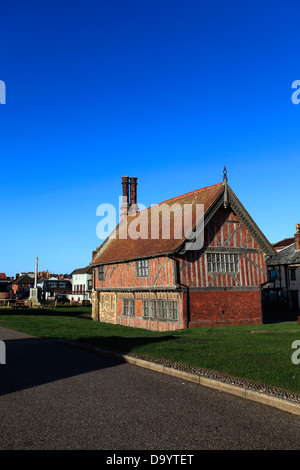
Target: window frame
142,268
154,309
223,263
146,308
128,307
160,309
173,311
163,309
101,274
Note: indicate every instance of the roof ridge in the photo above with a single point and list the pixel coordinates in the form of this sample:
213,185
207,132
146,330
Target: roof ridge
288,246
175,197
283,240
190,192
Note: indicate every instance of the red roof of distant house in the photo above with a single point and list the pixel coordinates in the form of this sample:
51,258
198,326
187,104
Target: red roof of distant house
86,270
2,276
283,243
24,279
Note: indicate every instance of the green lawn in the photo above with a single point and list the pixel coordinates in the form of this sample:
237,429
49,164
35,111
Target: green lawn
259,353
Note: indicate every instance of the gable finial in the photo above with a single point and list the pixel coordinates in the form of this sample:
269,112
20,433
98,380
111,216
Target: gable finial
226,202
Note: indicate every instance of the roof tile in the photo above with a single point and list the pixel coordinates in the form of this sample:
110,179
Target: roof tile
116,249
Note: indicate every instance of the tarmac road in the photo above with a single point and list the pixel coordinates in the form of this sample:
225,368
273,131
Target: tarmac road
54,397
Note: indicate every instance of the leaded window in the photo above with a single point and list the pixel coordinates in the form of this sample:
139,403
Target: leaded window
153,308
222,263
173,309
162,309
129,307
146,311
101,273
142,267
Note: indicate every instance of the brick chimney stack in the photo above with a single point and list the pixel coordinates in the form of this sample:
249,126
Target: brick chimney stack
297,237
133,195
125,203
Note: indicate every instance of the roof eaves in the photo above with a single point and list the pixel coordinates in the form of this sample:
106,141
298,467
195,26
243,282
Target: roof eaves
128,260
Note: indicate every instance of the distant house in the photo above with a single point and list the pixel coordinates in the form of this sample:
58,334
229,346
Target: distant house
81,284
281,292
283,244
22,284
162,283
5,286
50,288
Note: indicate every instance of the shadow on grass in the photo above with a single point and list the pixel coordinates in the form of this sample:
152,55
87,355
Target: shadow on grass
48,311
125,345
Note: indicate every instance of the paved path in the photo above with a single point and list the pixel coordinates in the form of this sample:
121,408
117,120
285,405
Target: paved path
56,397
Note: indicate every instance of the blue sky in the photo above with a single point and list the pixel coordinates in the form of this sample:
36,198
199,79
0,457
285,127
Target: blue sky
167,91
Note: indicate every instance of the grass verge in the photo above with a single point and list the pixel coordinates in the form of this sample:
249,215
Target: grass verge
257,353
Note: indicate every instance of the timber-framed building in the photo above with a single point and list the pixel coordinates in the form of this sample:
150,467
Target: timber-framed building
160,283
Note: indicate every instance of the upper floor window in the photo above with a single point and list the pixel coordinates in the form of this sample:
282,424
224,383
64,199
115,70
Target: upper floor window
101,276
222,263
142,268
273,274
293,274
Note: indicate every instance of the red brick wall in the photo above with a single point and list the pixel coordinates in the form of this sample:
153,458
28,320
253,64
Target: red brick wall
216,308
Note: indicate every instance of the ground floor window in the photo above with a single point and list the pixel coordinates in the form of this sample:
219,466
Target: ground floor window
173,309
161,309
146,311
129,307
154,309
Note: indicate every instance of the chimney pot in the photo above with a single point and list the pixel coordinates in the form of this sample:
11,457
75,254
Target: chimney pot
133,195
125,202
297,237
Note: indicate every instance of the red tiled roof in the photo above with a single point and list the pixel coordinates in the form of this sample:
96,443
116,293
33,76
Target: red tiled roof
116,249
24,279
86,270
283,243
2,276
